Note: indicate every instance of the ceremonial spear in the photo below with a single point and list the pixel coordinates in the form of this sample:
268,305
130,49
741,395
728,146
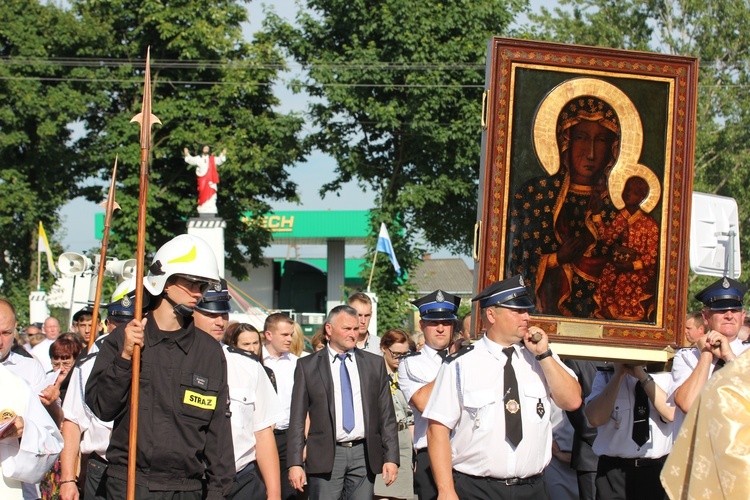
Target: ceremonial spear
145,118
109,207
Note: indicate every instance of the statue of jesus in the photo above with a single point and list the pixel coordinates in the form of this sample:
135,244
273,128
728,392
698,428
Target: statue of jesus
208,177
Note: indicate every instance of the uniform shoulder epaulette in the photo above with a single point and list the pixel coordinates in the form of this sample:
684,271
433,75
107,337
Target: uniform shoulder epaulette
80,361
237,350
452,357
411,354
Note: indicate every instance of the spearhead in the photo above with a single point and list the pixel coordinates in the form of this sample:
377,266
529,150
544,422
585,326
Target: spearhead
110,204
145,117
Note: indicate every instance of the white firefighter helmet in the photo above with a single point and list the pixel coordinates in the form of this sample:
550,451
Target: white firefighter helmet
186,255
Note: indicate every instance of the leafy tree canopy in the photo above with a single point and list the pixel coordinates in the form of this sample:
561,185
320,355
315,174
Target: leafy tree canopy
40,170
81,67
398,88
209,88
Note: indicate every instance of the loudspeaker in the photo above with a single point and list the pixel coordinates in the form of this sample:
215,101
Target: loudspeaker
73,264
124,269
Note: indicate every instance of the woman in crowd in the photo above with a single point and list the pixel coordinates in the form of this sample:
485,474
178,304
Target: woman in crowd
395,345
63,353
298,341
246,337
318,340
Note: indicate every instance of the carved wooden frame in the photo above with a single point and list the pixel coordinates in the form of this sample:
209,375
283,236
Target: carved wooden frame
662,89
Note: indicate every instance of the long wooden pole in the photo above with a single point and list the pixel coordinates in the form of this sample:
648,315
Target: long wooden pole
146,119
372,270
109,206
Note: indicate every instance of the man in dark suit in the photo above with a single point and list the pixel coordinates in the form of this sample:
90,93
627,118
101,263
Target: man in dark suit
353,433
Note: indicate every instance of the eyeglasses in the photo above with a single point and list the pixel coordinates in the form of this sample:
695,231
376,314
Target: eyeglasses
194,283
397,355
63,364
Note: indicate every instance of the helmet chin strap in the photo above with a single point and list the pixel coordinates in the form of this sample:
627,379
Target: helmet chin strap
180,309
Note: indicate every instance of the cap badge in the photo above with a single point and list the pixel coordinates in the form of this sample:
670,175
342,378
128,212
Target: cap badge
725,283
439,297
520,281
126,301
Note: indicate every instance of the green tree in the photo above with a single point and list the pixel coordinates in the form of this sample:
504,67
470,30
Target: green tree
40,169
397,89
705,29
209,88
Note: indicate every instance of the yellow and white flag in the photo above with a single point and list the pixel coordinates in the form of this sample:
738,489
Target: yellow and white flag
44,247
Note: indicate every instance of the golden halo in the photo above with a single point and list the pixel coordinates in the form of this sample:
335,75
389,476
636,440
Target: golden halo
631,135
616,184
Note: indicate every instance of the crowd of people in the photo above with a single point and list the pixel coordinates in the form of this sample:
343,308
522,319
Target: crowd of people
232,411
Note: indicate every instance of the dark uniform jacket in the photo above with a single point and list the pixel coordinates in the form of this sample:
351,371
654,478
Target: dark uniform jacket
184,432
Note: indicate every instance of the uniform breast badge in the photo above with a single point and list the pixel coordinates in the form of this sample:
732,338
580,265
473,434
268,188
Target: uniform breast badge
512,406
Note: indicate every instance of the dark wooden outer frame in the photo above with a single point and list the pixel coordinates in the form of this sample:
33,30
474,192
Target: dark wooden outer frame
634,72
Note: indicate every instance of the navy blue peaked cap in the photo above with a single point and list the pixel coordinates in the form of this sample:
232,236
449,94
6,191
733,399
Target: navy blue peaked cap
511,293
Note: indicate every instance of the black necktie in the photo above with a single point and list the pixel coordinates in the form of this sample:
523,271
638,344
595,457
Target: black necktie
513,425
719,365
443,353
640,416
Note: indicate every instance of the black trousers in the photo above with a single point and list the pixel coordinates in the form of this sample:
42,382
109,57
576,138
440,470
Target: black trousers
586,484
624,479
96,478
247,485
424,482
287,492
484,488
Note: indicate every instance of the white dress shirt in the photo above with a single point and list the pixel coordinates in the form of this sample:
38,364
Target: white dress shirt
685,361
29,458
615,438
415,372
468,398
41,353
253,403
95,433
358,432
283,367
28,369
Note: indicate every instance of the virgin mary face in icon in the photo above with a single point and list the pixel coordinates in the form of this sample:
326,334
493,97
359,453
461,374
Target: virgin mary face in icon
588,135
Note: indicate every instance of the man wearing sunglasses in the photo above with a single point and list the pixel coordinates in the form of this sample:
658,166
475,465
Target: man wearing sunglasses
416,375
184,431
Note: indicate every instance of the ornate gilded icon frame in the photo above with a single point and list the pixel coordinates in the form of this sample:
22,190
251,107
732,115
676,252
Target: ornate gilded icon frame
529,84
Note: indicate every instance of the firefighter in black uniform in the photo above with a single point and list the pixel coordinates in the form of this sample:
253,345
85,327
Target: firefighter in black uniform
184,428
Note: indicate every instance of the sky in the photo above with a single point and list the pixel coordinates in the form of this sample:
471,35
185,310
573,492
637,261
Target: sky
78,215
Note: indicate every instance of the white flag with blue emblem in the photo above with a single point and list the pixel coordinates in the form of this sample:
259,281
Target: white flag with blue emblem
385,246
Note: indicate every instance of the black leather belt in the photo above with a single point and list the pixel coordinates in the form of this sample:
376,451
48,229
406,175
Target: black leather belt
635,462
95,456
350,444
279,432
508,481
517,481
